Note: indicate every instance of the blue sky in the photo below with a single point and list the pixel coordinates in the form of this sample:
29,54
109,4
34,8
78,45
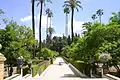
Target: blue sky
20,10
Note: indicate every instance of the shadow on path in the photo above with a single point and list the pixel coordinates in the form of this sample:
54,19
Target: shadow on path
68,75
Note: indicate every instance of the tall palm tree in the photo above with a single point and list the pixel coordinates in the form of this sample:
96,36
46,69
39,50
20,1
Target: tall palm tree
41,2
66,11
94,17
48,13
73,4
33,25
50,30
99,13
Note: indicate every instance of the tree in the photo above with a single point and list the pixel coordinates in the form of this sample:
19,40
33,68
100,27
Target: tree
66,11
50,29
115,18
2,19
99,13
47,13
41,7
94,17
47,53
1,11
17,41
73,4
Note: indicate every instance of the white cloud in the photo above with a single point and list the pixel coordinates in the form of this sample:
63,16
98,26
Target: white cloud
27,18
77,26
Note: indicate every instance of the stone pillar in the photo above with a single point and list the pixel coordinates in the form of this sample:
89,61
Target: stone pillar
2,59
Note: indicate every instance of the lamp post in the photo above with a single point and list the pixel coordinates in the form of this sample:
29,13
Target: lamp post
20,61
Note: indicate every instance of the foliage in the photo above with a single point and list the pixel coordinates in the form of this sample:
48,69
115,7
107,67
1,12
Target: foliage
104,57
98,38
115,18
46,53
17,41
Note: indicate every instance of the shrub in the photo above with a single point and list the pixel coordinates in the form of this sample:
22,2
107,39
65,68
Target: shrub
38,69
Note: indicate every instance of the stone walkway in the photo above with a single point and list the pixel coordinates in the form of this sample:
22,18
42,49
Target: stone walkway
59,72
56,71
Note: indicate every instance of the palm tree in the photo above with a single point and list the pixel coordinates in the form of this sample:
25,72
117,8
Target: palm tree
50,29
73,4
41,7
50,15
66,11
47,13
94,17
99,13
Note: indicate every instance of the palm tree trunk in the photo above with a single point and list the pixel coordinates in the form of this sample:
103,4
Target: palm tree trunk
40,26
33,25
33,21
50,29
100,19
47,28
66,28
94,21
72,33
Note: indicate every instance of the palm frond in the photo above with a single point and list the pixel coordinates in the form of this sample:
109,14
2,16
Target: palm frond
49,1
37,4
67,2
66,10
77,9
77,5
66,5
78,2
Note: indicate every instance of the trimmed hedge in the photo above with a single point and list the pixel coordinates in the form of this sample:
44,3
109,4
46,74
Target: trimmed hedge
38,69
80,65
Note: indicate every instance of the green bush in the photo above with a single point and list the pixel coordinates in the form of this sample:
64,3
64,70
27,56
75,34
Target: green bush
36,60
34,70
46,53
38,69
80,65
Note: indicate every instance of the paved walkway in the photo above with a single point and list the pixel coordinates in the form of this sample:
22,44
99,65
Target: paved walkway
59,72
56,71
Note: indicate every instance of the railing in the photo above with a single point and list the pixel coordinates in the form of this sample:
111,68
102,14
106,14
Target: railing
111,77
27,75
13,76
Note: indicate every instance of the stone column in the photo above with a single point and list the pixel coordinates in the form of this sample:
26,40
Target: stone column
2,59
